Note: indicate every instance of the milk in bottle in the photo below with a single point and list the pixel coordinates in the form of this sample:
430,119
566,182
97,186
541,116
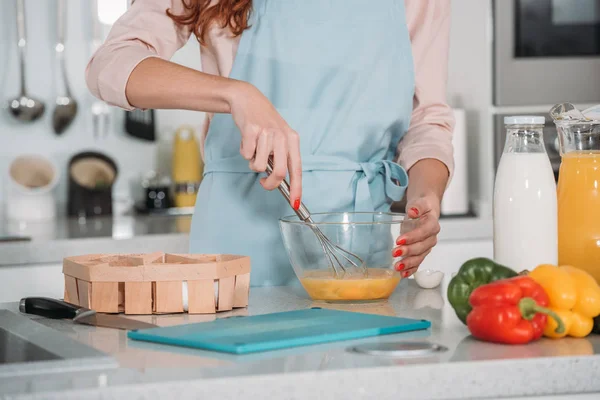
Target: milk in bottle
525,201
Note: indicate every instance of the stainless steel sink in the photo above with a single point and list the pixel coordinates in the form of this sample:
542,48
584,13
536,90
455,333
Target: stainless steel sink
30,348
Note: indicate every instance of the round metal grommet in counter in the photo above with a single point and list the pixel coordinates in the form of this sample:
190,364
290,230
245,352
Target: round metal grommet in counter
399,349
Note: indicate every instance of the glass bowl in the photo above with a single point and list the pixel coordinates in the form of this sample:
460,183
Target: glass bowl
371,236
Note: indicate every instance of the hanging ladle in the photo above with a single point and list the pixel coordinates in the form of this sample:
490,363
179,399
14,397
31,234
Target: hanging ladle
24,108
65,109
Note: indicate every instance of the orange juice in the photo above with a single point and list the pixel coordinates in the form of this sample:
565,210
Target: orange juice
579,211
322,285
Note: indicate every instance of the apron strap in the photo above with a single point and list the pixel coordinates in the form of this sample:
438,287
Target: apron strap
395,183
395,177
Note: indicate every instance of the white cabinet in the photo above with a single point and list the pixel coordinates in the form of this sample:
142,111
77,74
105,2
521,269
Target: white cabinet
448,256
18,281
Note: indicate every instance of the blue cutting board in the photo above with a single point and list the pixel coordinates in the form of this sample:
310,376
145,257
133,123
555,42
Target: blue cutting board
243,335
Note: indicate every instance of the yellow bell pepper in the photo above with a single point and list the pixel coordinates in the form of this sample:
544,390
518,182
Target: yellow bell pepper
574,296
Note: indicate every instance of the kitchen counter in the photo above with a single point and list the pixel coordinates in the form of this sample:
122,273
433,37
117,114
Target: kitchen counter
52,241
468,369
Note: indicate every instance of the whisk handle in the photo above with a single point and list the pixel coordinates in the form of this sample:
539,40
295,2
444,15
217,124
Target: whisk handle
284,188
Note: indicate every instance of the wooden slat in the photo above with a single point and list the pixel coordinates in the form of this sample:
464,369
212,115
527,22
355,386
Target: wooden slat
123,268
105,297
156,257
121,297
71,293
201,297
196,272
241,290
103,272
84,289
188,259
226,293
138,297
230,266
168,297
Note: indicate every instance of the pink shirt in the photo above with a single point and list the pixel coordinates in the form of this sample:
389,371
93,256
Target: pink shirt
146,31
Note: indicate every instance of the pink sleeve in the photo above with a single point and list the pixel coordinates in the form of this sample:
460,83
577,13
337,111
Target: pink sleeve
432,123
145,30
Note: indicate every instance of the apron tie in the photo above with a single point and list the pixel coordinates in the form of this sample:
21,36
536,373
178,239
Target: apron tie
367,184
394,183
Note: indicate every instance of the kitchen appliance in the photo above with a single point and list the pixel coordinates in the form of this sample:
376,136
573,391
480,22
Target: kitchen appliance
24,107
157,192
57,309
371,236
29,348
546,51
187,167
578,202
91,179
245,335
342,261
31,182
525,210
157,197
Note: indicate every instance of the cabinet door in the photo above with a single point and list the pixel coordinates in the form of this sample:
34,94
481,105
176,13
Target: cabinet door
18,281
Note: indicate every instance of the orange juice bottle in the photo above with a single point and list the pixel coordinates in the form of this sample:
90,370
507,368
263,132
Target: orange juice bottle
579,211
578,188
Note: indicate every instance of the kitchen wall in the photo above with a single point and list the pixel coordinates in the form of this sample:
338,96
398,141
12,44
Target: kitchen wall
132,155
470,83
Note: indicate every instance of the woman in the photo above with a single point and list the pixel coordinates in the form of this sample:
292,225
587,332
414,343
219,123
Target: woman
348,96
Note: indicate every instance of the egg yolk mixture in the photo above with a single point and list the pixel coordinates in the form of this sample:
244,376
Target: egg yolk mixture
322,285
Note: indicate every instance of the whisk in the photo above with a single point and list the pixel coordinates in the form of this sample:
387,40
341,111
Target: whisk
339,258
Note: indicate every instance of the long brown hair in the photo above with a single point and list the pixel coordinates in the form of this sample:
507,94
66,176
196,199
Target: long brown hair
200,14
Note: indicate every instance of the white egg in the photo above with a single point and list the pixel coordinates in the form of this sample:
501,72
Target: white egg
428,279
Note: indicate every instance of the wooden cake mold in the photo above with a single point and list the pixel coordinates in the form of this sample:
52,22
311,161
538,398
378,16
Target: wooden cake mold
153,283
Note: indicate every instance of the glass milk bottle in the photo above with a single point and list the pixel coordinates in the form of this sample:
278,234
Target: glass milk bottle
525,202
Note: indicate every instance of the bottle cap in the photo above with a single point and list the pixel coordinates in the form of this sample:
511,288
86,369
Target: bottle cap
525,120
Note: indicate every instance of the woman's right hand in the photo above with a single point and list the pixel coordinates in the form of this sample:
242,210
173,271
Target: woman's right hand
264,133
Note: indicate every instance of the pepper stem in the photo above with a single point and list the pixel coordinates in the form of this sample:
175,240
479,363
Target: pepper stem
529,307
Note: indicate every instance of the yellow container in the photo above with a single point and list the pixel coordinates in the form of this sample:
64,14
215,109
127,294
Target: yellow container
187,166
579,211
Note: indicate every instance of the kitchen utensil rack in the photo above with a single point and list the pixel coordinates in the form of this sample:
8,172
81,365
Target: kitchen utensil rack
153,283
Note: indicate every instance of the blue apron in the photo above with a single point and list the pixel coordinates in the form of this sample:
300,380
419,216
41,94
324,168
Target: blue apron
340,72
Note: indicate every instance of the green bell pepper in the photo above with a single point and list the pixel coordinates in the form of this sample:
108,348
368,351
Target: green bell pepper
472,274
596,329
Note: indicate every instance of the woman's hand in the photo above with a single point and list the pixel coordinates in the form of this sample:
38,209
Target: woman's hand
157,83
416,244
428,179
264,133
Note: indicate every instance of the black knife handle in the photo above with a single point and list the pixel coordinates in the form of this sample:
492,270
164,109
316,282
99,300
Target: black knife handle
49,308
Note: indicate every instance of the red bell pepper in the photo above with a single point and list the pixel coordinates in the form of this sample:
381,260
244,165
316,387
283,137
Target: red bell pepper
510,311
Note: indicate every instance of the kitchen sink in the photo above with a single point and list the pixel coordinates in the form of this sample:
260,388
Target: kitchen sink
30,348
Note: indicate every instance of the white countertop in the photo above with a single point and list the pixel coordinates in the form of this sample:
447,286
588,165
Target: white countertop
469,369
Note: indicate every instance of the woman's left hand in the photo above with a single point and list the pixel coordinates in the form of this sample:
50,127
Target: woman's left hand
414,245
